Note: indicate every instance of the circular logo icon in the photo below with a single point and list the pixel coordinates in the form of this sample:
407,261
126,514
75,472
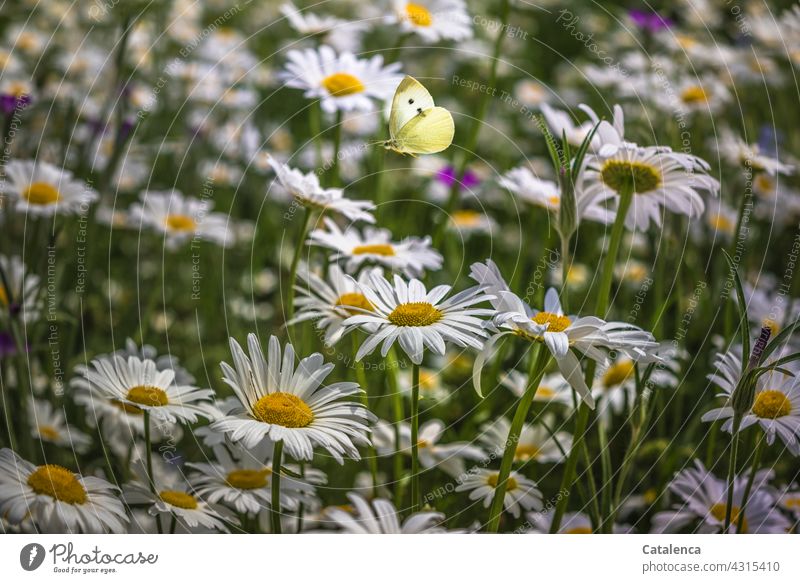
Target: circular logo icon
31,556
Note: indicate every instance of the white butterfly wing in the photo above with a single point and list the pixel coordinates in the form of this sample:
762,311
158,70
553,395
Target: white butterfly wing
410,99
427,133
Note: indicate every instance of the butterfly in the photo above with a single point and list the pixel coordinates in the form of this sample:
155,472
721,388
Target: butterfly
416,126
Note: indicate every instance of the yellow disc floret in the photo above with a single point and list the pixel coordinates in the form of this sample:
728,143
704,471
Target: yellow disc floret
248,479
637,177
149,396
342,84
178,499
771,404
418,15
59,483
377,249
41,193
284,409
415,314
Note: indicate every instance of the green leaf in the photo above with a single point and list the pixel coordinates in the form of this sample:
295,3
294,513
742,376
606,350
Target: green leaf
744,322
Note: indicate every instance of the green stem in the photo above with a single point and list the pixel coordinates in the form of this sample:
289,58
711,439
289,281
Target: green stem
361,377
298,251
565,265
151,481
337,144
582,419
397,410
275,508
477,122
315,127
414,437
538,362
617,230
737,421
750,479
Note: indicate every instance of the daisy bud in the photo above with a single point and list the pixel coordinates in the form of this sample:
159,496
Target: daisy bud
744,393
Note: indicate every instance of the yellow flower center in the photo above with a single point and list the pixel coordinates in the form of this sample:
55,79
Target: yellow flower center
41,193
150,396
283,409
3,295
544,392
579,530
342,84
58,483
380,249
764,183
180,223
774,326
771,405
791,503
554,200
636,177
352,300
718,512
427,380
422,444
48,432
721,223
617,373
685,41
415,314
418,15
526,452
511,483
466,218
694,95
178,499
650,496
248,479
555,322
127,407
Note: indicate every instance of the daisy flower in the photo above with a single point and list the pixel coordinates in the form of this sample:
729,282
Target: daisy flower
707,95
521,493
330,302
738,152
19,289
522,183
656,177
289,404
342,82
56,499
606,140
306,189
42,189
181,218
535,443
418,319
240,479
139,384
433,20
381,517
468,222
553,388
431,385
775,408
703,504
563,335
50,425
448,457
411,256
174,498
